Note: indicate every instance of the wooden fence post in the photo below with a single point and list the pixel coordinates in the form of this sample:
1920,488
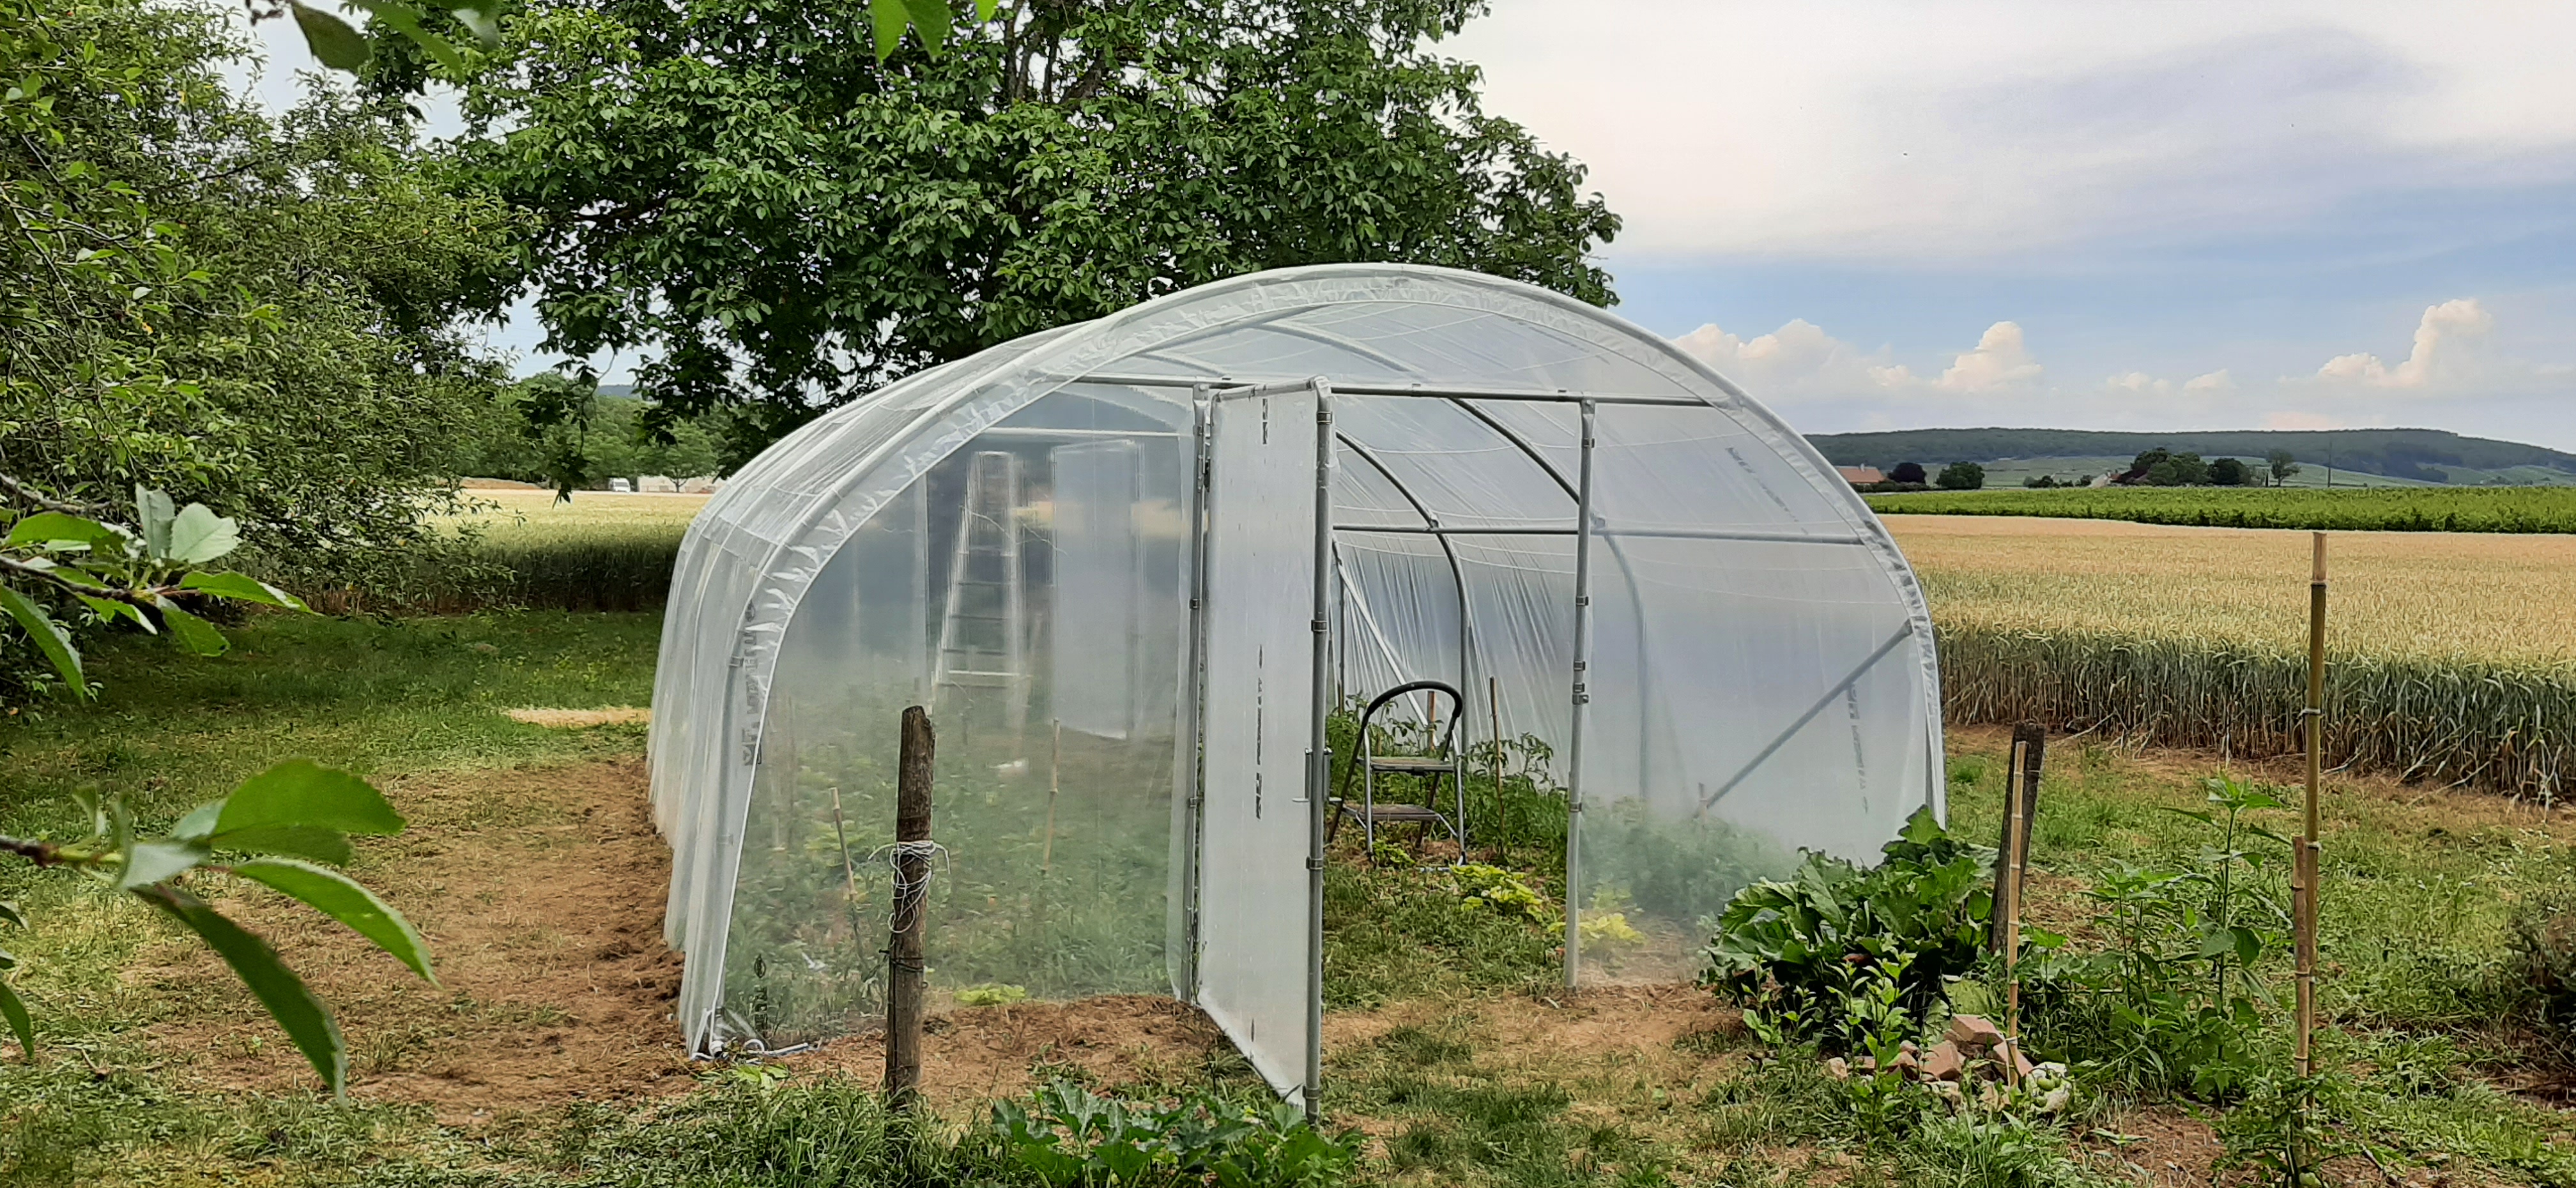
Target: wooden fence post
911,889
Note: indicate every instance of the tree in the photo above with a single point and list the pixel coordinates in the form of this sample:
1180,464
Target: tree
2043,482
747,197
1961,476
2229,472
1906,472
291,822
249,314
2283,466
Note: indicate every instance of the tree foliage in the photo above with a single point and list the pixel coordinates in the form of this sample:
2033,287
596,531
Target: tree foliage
1961,476
743,192
255,315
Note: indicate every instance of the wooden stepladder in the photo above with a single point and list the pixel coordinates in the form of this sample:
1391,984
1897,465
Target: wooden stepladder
983,639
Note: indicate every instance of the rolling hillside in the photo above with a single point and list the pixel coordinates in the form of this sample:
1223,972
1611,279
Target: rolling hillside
2391,456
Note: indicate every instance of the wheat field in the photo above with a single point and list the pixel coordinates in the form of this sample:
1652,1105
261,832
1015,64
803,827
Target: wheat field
2450,658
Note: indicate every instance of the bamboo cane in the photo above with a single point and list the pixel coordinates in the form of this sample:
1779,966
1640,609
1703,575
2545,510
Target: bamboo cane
1494,764
2304,871
1055,767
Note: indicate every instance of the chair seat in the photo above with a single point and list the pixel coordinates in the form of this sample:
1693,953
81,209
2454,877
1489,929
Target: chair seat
1411,763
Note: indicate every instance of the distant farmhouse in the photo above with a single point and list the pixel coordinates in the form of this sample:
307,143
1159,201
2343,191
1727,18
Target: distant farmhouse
1859,476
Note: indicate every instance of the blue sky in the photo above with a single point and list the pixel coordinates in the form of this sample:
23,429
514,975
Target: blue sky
2160,215
2117,215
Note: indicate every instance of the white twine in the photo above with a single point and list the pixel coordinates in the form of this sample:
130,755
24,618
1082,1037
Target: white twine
908,893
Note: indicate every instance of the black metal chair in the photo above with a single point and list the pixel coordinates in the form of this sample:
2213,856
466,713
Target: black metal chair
1446,759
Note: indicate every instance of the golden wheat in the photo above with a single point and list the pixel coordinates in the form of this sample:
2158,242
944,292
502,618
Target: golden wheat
2451,655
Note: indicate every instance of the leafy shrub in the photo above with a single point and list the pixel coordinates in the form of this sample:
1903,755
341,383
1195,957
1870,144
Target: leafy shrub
1481,886
2173,1003
1069,1136
1684,871
1793,948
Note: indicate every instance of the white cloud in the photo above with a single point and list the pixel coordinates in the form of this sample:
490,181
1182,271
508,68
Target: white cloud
1881,129
1801,359
2447,350
2139,383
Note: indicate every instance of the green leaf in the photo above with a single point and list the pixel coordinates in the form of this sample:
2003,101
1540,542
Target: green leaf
890,20
56,530
336,895
149,862
984,10
199,535
403,20
931,19
332,40
193,633
241,588
288,999
155,510
328,846
302,792
110,610
199,824
19,1023
9,914
51,639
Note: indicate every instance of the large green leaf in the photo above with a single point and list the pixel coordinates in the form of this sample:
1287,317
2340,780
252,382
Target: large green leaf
288,999
156,513
402,19
241,587
56,530
50,637
931,19
335,895
20,1024
302,792
198,535
331,39
150,862
889,18
193,633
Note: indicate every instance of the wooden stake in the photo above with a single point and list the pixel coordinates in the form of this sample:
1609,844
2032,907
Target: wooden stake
1055,765
912,886
2304,871
2019,774
1494,764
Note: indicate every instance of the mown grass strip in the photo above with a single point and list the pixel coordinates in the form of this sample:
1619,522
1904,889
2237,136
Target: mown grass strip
2409,509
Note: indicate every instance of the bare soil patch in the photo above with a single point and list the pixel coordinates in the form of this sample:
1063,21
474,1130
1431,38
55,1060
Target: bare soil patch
540,893
972,1055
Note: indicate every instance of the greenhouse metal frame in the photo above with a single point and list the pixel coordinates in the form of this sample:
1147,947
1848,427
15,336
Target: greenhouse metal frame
1263,497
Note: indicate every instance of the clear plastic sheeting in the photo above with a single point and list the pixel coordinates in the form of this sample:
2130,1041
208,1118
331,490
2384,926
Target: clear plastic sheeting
1017,540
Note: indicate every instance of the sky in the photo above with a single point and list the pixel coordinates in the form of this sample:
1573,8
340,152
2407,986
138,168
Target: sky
2162,215
2101,215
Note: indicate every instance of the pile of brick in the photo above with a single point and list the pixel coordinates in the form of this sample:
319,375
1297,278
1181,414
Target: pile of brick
1970,1058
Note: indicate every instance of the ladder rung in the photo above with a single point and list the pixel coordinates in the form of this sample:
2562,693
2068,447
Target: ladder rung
1411,763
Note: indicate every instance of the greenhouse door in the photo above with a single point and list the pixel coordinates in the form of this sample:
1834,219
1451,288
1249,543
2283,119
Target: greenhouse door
1258,612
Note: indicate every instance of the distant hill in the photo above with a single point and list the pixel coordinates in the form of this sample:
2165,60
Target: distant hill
2403,455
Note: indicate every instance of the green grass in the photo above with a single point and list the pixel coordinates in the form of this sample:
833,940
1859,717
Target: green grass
2415,509
2425,1012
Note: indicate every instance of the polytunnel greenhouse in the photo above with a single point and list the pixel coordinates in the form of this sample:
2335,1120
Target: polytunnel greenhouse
1134,567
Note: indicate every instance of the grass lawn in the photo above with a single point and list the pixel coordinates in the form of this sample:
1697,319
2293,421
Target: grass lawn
541,1061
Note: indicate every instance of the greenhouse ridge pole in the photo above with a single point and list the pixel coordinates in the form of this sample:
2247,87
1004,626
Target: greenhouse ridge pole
1582,709
1319,756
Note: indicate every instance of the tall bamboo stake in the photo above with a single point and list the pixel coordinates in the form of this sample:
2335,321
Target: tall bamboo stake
1055,767
1494,764
2304,875
2015,824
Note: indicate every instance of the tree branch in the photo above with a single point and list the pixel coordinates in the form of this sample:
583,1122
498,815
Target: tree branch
39,852
26,494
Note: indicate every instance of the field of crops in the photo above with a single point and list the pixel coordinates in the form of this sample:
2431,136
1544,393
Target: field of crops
2450,656
599,551
2408,509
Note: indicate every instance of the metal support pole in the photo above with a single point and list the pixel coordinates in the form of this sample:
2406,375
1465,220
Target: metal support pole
1193,693
1582,708
1319,757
